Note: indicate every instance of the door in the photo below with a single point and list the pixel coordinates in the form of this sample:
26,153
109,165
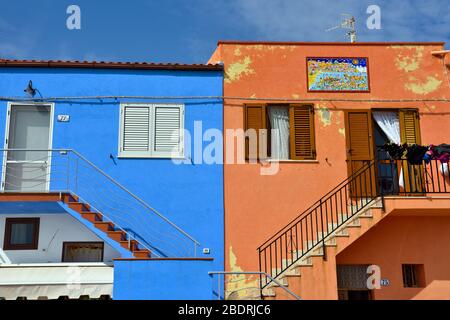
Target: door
360,153
28,129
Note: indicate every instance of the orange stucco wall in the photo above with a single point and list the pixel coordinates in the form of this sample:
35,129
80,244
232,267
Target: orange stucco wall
401,240
257,206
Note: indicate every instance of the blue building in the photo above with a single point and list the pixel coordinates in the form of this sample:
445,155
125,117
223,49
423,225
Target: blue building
104,191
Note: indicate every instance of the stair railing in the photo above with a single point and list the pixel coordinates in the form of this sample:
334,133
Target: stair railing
376,178
67,171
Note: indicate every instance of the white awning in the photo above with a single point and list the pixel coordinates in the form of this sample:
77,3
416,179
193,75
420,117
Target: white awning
53,280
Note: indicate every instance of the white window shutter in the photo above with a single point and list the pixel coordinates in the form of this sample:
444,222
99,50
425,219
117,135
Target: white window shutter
168,126
151,131
135,130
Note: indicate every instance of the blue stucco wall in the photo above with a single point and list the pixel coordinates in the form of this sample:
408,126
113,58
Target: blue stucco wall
163,279
190,195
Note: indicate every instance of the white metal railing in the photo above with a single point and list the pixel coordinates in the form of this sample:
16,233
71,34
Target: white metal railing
67,171
245,285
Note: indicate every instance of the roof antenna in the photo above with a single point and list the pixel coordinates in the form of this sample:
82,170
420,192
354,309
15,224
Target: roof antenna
347,22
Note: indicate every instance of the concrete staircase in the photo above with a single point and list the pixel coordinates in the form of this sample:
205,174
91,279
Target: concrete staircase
314,275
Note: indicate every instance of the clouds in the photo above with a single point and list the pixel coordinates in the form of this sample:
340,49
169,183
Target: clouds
401,20
188,30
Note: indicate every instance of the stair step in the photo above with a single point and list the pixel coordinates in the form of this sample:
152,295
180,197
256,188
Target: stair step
131,245
143,253
283,281
92,216
79,206
67,197
116,235
104,226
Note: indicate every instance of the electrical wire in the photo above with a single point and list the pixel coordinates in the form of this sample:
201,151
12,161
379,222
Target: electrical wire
75,98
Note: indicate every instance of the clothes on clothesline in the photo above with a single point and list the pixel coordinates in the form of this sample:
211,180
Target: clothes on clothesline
415,153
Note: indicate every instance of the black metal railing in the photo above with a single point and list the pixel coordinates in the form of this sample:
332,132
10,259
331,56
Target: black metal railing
376,178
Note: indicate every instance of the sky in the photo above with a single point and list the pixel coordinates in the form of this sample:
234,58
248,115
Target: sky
187,31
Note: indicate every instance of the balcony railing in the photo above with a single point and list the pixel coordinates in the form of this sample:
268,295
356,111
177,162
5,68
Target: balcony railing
67,171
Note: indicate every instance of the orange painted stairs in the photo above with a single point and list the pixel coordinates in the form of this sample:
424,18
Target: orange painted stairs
107,227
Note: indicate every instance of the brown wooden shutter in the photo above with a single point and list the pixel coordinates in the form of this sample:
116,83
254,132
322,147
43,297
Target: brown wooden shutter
413,175
255,118
302,132
409,126
359,137
360,153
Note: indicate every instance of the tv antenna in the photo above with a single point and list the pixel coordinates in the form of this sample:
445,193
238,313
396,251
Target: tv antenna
348,23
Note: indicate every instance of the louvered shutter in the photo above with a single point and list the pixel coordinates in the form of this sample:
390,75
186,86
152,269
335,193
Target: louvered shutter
409,126
360,147
410,134
302,132
167,134
151,131
255,118
135,130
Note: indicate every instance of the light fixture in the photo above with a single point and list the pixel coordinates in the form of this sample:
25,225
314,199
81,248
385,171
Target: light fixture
30,90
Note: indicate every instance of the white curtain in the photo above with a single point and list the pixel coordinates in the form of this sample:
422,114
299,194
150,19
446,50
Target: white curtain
389,122
279,122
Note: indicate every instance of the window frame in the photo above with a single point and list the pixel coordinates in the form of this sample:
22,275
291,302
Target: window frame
151,153
7,245
414,273
290,107
65,243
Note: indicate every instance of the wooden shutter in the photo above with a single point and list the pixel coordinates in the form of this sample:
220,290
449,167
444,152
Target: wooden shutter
135,128
409,126
167,133
302,132
255,118
360,153
359,137
413,175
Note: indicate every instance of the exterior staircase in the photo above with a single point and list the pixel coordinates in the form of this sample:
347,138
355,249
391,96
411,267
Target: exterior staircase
302,255
320,262
96,218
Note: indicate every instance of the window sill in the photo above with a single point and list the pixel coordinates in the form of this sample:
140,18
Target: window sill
151,157
292,161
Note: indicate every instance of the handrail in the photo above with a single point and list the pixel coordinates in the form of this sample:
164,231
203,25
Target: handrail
255,273
377,178
63,176
136,197
317,203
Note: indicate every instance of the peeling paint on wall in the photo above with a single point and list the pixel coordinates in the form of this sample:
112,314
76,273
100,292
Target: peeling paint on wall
325,116
237,69
431,84
237,52
342,131
240,286
409,62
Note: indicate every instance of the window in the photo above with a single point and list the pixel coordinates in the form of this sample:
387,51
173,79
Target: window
294,135
21,234
82,252
413,275
151,130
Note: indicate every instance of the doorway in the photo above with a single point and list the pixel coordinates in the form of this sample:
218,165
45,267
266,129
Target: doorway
28,136
366,132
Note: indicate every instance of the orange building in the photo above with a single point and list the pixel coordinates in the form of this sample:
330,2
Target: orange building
337,203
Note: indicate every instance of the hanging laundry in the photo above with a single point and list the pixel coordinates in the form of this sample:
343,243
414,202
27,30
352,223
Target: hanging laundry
394,150
415,154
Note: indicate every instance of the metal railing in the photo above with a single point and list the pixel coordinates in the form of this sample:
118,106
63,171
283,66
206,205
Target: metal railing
67,171
245,286
376,178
